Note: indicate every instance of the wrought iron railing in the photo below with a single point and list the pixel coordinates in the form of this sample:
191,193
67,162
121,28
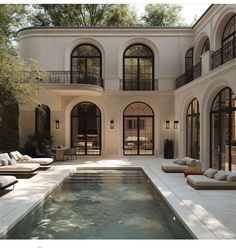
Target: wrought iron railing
133,85
71,77
223,54
189,75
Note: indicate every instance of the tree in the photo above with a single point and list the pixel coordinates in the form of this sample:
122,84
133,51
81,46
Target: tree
12,16
162,15
83,15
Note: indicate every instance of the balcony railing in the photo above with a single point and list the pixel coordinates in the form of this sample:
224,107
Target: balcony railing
224,54
133,85
189,75
71,77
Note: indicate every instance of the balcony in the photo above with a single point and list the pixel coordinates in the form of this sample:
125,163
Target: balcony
133,85
71,77
189,75
224,54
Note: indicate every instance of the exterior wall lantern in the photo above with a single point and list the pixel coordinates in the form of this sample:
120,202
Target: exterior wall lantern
167,124
112,124
57,124
176,124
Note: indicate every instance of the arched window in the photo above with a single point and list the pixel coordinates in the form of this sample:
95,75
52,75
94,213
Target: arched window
189,65
229,30
138,129
193,130
205,46
228,40
138,71
86,65
86,129
42,119
222,131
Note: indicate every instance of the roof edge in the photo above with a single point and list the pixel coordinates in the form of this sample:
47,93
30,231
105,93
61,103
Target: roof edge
199,19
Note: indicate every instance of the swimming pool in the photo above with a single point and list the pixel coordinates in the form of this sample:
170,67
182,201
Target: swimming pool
102,204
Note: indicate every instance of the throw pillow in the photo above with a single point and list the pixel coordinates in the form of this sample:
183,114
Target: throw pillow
220,175
12,161
191,163
210,172
231,177
4,162
26,157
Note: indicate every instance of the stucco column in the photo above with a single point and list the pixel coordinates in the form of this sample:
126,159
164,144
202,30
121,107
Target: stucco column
206,62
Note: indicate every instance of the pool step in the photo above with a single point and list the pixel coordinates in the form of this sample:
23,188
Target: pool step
108,176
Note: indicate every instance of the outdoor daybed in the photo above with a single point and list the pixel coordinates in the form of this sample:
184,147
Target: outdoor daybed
11,167
180,165
27,159
210,181
7,181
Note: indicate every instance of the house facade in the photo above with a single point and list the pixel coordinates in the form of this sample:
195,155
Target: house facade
123,91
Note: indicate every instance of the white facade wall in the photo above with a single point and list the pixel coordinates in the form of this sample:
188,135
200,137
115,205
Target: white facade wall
52,49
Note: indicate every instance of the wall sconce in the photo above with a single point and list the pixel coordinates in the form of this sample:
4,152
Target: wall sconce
167,124
57,124
176,124
111,124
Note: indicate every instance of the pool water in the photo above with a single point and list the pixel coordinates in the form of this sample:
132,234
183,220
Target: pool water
102,204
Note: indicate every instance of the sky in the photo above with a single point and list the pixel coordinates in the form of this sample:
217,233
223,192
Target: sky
190,7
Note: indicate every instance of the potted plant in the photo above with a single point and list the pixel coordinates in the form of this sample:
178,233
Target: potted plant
168,148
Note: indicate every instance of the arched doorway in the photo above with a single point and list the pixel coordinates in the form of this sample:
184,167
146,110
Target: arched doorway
222,131
138,129
86,129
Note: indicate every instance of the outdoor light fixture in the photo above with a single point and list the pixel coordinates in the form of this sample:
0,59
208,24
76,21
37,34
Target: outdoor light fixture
176,124
111,124
57,124
167,124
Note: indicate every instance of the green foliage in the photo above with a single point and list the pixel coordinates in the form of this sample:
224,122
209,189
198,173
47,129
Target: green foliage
12,16
162,15
38,143
83,15
168,142
18,79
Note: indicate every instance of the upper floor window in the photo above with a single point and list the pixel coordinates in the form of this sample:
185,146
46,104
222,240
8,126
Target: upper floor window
229,30
86,65
206,46
189,59
138,71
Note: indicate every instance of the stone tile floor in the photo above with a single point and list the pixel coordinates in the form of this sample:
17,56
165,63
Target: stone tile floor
209,214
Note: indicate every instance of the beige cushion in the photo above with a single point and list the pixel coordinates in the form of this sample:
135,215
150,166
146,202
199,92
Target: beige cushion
231,177
19,167
210,172
220,175
5,180
12,161
201,180
198,163
43,161
174,168
14,155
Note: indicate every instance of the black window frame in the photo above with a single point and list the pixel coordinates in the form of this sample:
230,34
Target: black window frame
138,67
86,81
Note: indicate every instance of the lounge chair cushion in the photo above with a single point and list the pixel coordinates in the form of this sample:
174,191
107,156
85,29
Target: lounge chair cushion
203,182
20,167
42,161
210,172
231,177
220,175
5,180
191,162
12,161
172,168
16,155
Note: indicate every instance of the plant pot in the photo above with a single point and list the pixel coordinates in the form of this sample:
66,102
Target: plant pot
169,152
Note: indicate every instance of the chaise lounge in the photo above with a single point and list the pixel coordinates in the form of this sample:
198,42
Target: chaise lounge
27,159
9,166
213,180
7,181
180,165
